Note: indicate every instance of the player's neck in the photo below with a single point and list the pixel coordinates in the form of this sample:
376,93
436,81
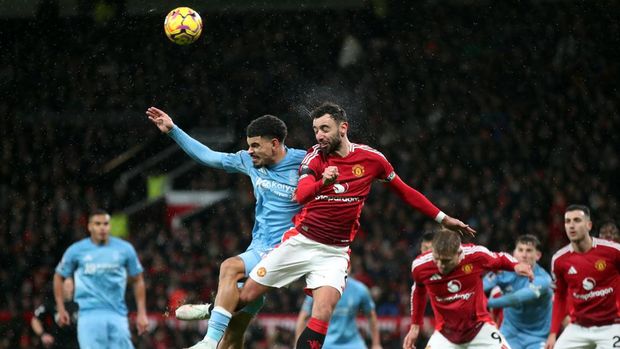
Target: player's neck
344,149
583,245
279,155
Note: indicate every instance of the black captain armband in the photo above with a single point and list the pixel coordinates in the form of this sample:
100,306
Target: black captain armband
305,171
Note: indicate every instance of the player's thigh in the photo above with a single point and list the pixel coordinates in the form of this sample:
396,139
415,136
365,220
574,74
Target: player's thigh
233,267
489,337
329,267
92,332
284,264
118,328
606,337
325,299
574,337
233,337
437,340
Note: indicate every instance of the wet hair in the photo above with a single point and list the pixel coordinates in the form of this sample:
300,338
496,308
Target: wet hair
97,212
428,236
446,242
529,239
583,208
267,126
333,109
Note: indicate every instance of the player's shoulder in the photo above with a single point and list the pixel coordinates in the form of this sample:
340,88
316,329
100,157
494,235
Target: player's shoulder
356,284
120,243
603,244
311,154
422,261
471,249
80,244
297,155
367,150
562,253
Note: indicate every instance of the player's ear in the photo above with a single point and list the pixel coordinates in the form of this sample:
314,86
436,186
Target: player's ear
344,126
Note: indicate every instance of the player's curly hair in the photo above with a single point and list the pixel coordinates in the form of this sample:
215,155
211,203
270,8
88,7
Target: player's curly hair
267,126
333,109
446,242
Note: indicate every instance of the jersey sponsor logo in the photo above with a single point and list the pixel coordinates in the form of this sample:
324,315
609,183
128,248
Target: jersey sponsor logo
337,198
454,286
99,268
279,189
600,265
463,296
468,268
339,188
598,293
572,270
358,170
261,272
435,277
588,284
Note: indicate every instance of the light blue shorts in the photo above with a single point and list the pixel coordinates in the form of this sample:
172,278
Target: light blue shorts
250,258
102,329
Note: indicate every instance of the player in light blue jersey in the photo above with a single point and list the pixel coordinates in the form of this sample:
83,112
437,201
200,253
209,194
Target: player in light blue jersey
526,305
100,266
273,169
342,332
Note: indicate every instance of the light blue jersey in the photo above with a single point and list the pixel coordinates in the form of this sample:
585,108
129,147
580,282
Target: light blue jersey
342,332
527,307
273,188
100,273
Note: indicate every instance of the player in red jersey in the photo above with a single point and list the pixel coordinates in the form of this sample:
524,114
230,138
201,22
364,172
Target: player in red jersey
587,272
451,275
335,179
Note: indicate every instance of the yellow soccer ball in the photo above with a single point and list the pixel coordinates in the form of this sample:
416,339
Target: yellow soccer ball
183,25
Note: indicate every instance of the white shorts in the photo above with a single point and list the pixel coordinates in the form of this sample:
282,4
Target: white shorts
599,337
489,337
297,256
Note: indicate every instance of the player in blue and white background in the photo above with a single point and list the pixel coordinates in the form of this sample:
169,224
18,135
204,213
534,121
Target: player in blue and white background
342,332
100,266
526,305
273,169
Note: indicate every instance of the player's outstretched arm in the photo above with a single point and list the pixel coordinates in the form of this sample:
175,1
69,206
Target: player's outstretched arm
524,269
421,203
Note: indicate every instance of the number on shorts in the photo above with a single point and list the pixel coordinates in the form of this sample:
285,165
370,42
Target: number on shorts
617,342
495,335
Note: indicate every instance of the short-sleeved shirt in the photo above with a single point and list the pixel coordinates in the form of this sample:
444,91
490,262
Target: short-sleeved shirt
64,337
100,273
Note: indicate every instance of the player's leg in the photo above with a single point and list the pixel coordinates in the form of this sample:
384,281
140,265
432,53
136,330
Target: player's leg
606,337
118,332
437,340
231,271
489,337
234,335
327,280
92,332
574,337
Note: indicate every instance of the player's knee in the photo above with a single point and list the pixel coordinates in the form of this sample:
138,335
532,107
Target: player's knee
232,269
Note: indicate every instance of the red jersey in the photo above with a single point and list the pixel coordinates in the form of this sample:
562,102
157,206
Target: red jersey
590,280
458,298
332,215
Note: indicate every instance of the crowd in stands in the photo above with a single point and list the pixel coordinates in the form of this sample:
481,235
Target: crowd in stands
501,113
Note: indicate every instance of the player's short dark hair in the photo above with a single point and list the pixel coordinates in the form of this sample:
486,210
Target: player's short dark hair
428,236
529,239
333,109
267,126
97,212
446,242
585,209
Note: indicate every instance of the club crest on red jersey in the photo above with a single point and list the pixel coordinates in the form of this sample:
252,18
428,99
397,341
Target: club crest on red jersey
600,265
468,268
261,271
358,170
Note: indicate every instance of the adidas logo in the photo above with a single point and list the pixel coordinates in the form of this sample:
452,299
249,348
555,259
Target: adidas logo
435,277
572,271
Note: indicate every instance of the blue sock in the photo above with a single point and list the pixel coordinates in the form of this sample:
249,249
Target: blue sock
218,323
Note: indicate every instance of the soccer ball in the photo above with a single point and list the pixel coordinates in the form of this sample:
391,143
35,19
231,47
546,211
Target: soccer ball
183,25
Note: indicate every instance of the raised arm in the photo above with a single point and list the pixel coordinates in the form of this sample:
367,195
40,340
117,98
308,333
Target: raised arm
196,150
421,203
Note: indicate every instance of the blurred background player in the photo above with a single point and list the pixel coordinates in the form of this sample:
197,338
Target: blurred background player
100,266
451,276
45,326
273,169
586,274
609,231
526,304
343,332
